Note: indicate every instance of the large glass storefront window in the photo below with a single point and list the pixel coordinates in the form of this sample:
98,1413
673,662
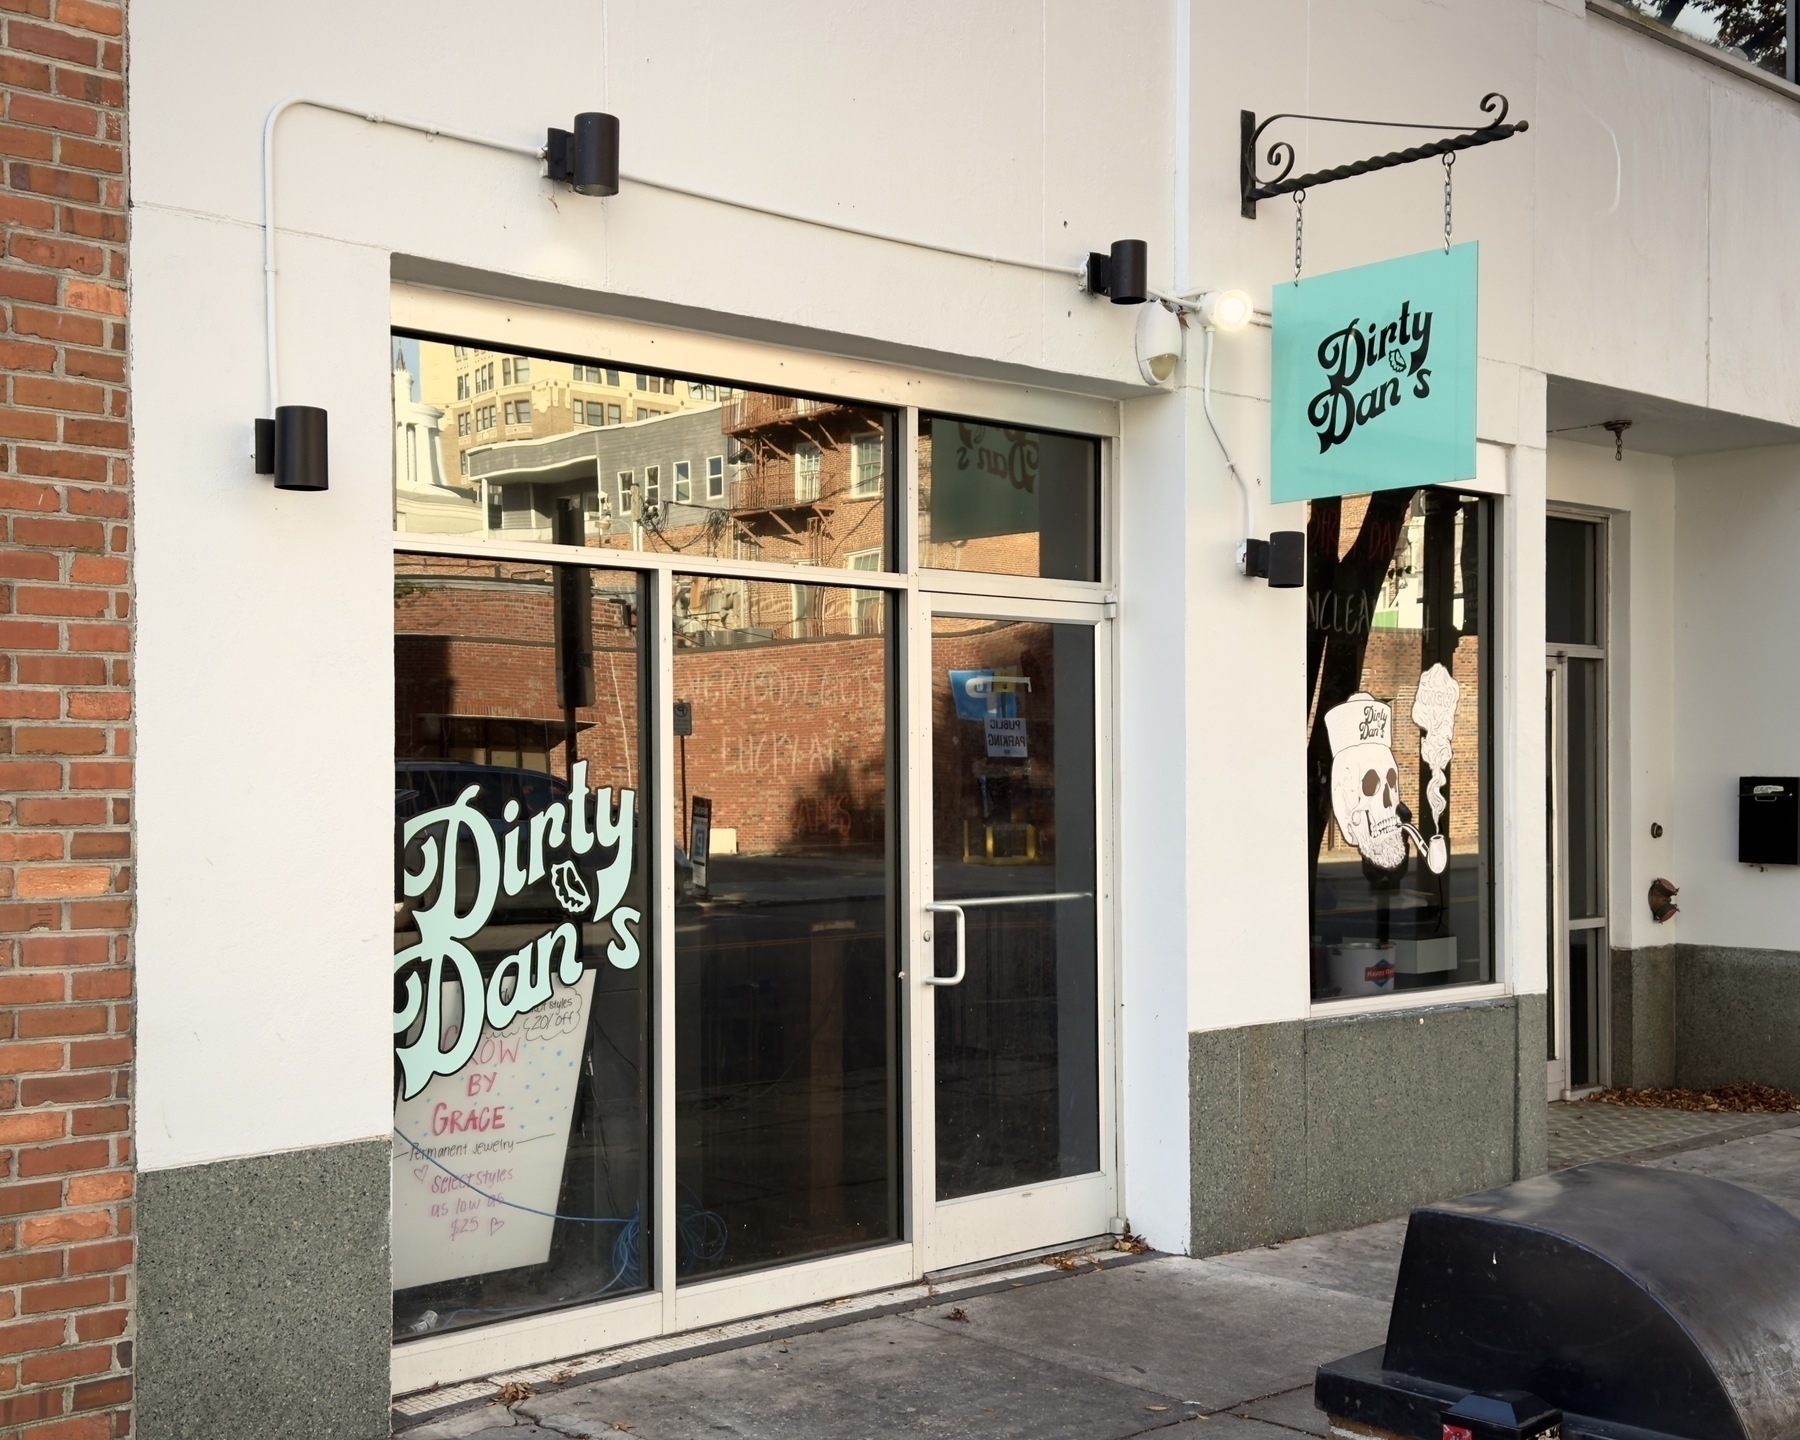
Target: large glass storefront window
787,1090
522,938
490,445
1399,640
696,599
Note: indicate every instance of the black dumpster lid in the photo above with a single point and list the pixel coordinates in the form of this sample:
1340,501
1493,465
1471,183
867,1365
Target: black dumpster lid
1652,1298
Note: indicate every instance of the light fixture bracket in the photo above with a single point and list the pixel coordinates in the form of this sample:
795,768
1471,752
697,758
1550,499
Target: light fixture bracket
1281,559
1251,188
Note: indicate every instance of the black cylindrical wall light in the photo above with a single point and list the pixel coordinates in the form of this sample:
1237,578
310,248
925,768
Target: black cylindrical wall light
587,156
596,159
291,447
1128,279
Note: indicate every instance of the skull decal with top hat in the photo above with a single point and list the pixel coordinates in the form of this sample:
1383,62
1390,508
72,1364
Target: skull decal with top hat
1365,777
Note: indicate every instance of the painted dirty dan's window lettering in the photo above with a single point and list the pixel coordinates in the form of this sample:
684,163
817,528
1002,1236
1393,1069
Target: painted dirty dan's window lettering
791,479
1399,625
521,938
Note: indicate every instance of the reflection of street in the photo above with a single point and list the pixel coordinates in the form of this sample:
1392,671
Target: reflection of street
786,1101
1016,1092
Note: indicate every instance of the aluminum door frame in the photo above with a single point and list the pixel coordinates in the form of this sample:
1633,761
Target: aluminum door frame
987,1226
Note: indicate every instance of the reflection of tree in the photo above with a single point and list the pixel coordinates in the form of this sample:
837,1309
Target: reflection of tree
1756,27
1341,592
847,806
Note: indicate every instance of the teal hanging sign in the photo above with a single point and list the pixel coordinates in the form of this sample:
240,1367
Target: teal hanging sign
1374,383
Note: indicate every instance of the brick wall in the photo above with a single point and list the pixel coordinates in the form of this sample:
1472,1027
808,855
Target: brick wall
65,729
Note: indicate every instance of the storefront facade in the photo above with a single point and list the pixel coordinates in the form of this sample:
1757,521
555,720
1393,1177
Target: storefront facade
761,779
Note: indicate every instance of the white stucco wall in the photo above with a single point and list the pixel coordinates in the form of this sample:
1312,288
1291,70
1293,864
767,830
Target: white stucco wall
1037,130
1736,690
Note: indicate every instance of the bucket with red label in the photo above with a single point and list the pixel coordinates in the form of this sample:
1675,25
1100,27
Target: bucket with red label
1361,967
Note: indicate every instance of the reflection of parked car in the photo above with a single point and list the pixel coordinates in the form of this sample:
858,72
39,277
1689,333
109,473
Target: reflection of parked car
423,785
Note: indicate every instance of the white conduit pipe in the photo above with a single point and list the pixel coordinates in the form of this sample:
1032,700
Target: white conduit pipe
1230,464
537,152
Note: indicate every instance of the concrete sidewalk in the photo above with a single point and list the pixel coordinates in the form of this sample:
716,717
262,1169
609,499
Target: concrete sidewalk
1129,1348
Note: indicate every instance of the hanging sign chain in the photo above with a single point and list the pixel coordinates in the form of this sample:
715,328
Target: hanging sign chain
1299,230
1449,160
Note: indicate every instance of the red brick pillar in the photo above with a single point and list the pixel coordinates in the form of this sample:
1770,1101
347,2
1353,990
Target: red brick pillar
66,1160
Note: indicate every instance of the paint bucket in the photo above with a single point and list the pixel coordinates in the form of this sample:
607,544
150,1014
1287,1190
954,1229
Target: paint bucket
1361,967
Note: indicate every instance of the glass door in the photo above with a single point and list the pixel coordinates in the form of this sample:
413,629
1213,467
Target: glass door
1011,996
1556,1052
1576,750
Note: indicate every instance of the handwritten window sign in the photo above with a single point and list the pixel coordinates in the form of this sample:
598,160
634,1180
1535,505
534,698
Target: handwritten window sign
498,1132
1374,377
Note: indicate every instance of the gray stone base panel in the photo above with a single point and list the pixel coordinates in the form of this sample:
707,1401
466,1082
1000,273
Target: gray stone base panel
263,1297
1317,1125
1737,1016
1705,1015
1643,1017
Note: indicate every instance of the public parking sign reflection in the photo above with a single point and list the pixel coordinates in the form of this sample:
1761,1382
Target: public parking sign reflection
1374,377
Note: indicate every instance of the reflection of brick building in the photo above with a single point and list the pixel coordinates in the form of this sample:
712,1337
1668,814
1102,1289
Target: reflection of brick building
789,740
812,479
475,669
1391,673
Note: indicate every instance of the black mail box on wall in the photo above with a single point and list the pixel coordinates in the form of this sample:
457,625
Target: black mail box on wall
1769,819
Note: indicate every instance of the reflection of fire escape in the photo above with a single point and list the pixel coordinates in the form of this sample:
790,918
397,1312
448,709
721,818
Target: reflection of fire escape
766,496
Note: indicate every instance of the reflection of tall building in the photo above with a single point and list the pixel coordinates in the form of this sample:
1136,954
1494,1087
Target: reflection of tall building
661,480
549,450
535,450
488,396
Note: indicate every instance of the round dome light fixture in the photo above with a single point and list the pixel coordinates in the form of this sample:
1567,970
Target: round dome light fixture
1225,309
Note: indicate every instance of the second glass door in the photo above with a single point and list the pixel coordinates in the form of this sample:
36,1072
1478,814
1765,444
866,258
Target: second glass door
1012,1001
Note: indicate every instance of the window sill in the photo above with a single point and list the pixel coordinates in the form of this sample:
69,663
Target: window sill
1435,998
1697,48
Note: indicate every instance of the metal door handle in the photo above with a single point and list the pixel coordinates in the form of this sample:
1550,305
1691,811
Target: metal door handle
961,955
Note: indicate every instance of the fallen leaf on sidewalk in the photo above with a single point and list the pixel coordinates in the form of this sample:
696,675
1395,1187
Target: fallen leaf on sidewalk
511,1393
958,1314
1132,1244
1063,1262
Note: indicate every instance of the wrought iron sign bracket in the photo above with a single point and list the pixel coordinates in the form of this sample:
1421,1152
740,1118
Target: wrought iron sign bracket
1281,152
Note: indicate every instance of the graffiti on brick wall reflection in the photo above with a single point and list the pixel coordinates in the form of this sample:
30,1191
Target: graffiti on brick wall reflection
583,844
